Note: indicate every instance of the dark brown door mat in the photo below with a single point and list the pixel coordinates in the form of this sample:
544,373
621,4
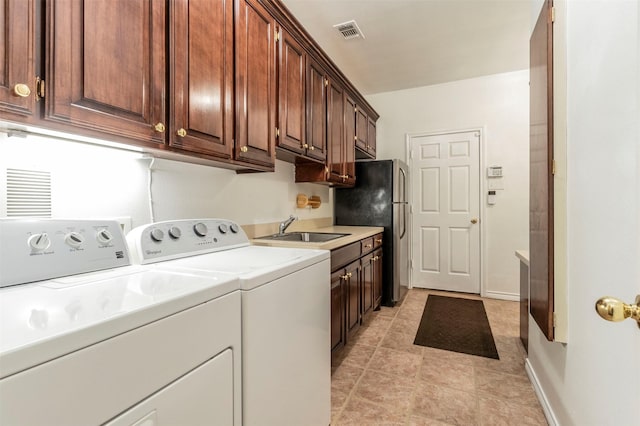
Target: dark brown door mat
458,325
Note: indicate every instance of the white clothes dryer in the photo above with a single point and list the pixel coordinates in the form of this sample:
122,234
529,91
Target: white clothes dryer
285,292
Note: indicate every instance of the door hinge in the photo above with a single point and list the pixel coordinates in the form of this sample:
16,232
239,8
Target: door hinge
553,167
277,36
277,132
553,14
39,88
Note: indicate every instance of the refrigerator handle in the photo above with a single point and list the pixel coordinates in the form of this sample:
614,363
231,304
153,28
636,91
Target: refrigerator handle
404,203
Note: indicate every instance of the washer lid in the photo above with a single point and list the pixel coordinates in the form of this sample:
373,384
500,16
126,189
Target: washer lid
48,319
255,265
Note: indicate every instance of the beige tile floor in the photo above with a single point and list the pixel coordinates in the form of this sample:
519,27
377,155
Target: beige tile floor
382,378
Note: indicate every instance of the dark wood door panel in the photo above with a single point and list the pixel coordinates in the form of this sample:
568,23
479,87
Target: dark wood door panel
255,83
291,98
362,122
17,56
316,111
335,132
367,283
337,310
371,137
353,291
349,159
202,76
106,66
541,172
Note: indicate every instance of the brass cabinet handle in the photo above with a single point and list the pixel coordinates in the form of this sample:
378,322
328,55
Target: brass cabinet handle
344,277
244,149
368,246
21,90
474,220
378,240
181,132
613,309
312,148
349,274
305,145
376,258
159,127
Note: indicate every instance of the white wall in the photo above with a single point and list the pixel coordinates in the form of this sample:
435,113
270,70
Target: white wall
593,379
499,104
95,181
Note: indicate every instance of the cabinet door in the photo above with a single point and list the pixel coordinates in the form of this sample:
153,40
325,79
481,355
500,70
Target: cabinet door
349,154
17,55
335,132
291,94
255,84
202,76
353,290
371,137
367,271
316,111
362,122
337,311
106,67
377,278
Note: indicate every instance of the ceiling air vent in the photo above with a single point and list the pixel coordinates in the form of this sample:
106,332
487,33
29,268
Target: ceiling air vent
28,193
349,30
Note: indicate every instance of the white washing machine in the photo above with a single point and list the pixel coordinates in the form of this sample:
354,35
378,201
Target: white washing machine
108,343
286,362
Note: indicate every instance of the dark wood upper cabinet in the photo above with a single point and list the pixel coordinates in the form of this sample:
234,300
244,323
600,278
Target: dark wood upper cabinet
106,67
335,133
348,155
316,111
255,53
201,58
17,59
362,122
291,94
371,137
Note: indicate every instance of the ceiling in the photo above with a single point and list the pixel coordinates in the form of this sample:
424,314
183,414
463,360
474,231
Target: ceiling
412,43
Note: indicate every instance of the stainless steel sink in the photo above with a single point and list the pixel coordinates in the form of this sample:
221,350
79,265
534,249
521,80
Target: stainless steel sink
306,237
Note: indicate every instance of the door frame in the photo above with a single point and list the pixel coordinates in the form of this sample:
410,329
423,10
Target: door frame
482,190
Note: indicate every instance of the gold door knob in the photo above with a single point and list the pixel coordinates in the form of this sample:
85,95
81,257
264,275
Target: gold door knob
305,145
368,246
159,127
21,90
615,310
349,274
244,149
344,277
312,148
474,220
181,132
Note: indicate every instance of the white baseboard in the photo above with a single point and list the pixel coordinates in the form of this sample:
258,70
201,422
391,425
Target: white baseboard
514,297
542,398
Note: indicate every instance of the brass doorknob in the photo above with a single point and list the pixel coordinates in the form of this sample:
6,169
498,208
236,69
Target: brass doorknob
305,145
312,148
181,132
159,127
21,90
244,149
474,220
615,310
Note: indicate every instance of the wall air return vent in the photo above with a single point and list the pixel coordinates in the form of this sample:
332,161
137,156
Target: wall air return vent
28,193
349,30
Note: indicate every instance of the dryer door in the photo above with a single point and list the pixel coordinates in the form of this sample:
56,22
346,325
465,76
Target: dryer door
202,396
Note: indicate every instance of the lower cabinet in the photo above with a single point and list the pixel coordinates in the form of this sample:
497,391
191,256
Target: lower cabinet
356,288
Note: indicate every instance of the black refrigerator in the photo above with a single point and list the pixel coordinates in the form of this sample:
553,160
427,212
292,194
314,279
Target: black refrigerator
379,198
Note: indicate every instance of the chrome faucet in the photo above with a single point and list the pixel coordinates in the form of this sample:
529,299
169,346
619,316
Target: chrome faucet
284,225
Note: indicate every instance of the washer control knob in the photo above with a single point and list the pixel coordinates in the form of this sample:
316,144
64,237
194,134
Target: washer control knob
104,237
234,228
200,229
157,235
175,232
39,242
223,228
74,239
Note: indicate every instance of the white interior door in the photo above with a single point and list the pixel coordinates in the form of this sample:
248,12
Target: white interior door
446,206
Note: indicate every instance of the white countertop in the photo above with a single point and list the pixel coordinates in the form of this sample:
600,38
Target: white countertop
523,255
357,233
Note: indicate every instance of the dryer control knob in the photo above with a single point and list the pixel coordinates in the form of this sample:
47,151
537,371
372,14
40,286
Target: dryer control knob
39,242
104,237
156,235
74,239
175,232
234,228
200,229
222,228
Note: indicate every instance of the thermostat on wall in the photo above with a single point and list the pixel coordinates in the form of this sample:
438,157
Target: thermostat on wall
494,171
